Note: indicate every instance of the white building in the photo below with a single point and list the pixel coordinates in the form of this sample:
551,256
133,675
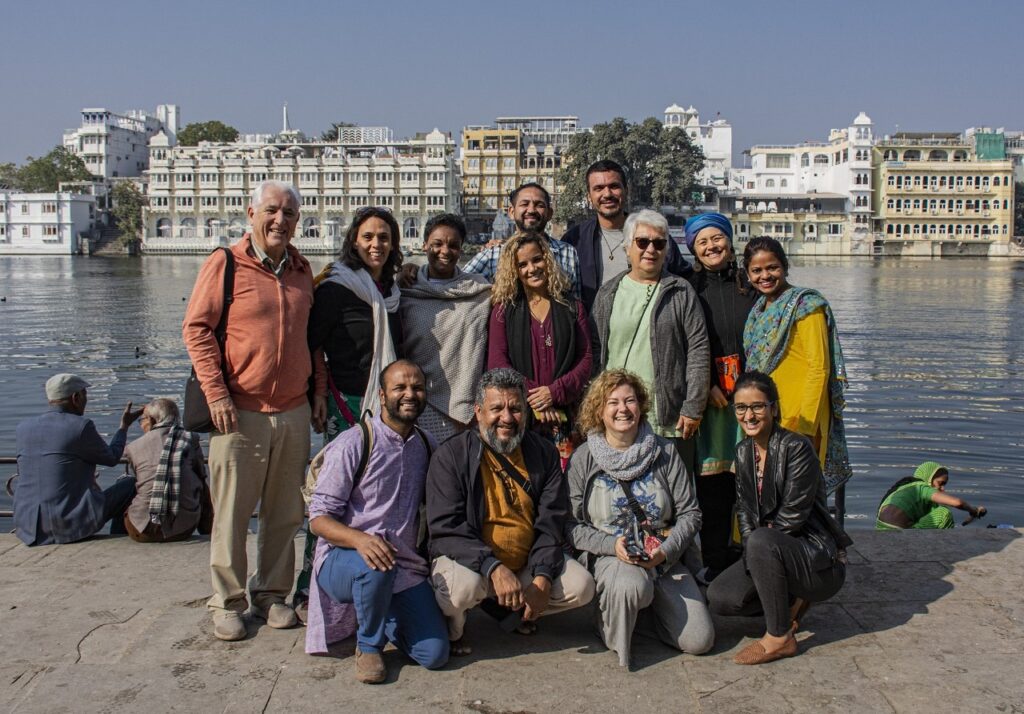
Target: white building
841,165
198,195
44,223
115,145
713,137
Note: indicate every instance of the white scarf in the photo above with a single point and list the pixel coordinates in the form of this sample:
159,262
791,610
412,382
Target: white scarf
360,283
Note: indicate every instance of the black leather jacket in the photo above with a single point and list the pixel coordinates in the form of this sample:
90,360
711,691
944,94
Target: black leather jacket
792,496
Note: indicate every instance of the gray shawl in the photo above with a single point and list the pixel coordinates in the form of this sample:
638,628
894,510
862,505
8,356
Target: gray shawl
445,330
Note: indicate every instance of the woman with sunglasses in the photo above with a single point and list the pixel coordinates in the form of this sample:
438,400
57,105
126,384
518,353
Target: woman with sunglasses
791,335
356,326
726,299
650,323
540,332
636,518
793,550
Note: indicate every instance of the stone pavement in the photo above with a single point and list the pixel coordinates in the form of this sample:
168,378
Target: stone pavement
927,621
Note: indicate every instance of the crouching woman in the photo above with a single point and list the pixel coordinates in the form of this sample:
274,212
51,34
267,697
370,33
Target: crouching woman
636,517
793,550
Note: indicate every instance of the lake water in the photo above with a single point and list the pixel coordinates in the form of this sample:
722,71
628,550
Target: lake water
934,349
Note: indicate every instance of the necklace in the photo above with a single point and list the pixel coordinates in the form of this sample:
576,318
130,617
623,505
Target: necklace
611,248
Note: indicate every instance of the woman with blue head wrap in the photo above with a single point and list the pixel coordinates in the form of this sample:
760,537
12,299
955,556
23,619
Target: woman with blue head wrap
726,300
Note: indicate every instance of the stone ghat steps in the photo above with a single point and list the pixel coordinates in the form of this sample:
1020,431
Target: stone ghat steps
925,619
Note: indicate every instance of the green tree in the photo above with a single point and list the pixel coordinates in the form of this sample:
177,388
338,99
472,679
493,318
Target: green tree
1018,208
212,130
128,202
661,165
45,174
331,134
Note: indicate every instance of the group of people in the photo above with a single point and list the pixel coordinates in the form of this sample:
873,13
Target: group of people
555,422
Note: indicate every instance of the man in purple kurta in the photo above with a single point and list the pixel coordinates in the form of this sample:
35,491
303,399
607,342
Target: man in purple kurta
367,553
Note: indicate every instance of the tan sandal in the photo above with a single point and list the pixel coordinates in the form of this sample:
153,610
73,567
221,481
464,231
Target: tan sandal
755,652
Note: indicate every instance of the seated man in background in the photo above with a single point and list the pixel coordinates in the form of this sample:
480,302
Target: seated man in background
57,499
497,504
172,497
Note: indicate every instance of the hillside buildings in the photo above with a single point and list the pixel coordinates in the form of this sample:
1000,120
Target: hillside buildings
44,223
198,195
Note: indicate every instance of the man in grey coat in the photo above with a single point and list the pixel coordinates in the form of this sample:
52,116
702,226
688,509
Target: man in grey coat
650,323
57,499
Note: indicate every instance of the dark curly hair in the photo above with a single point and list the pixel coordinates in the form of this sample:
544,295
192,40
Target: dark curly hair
350,256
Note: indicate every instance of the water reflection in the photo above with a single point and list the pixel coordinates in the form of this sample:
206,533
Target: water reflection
934,351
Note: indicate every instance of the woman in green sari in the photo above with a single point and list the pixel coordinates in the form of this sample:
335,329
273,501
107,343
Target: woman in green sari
920,501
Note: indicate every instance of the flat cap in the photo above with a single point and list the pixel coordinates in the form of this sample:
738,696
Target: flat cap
63,385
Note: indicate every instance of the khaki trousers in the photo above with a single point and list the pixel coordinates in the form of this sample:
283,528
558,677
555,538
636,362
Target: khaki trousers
265,462
458,590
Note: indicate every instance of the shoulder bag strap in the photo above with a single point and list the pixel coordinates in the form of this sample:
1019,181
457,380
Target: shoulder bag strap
638,511
511,471
365,457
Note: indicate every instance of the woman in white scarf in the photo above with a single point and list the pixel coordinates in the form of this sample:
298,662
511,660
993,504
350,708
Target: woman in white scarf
445,313
355,326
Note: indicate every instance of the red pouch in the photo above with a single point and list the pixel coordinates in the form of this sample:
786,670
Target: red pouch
728,371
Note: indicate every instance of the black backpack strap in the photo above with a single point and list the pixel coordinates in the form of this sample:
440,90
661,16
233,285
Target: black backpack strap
229,297
426,441
365,457
511,471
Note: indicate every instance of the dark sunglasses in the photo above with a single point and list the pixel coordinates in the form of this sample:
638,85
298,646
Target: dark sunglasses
659,243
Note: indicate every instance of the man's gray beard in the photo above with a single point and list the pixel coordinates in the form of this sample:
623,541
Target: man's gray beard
503,446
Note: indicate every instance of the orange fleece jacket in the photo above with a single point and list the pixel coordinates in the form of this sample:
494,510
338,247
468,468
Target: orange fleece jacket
267,357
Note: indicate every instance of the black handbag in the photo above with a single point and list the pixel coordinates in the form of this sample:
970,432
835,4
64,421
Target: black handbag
196,412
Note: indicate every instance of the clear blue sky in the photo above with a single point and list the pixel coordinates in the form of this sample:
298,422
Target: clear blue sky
781,72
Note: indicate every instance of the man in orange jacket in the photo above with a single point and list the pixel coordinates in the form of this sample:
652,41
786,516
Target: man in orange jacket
257,397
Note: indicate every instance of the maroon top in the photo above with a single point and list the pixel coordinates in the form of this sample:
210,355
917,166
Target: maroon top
567,389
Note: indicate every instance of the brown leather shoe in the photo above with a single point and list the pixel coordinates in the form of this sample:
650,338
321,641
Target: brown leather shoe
755,653
370,668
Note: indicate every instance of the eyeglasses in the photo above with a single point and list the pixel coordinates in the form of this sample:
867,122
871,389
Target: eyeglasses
758,408
643,243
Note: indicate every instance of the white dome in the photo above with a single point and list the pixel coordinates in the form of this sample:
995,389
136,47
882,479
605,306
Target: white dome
675,109
861,119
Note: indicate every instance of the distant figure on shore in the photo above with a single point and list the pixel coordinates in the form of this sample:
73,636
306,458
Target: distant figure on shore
445,315
791,335
600,241
793,550
257,397
537,329
57,499
726,299
921,501
368,523
497,507
172,497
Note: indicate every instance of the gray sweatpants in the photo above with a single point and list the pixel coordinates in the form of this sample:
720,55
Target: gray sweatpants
681,617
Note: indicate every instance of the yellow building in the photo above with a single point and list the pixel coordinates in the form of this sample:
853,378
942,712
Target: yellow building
937,194
517,150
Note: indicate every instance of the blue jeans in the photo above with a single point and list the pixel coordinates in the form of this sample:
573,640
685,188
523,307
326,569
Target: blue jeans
411,619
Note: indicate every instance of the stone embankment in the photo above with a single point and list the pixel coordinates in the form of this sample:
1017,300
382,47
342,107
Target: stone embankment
927,621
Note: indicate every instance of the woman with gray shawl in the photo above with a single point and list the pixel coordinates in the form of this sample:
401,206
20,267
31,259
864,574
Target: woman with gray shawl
636,517
445,314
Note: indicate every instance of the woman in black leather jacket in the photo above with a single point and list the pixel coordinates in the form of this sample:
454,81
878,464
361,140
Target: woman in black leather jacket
793,550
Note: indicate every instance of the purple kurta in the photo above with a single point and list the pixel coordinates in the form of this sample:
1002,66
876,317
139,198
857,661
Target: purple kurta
385,503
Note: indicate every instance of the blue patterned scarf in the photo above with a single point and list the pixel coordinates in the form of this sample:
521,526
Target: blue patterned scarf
765,338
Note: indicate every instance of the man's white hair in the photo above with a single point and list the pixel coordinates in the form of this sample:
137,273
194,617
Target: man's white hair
257,193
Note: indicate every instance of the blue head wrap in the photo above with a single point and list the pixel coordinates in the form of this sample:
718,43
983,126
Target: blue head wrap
706,220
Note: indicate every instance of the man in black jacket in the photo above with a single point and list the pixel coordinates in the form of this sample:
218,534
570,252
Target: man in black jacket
599,241
496,511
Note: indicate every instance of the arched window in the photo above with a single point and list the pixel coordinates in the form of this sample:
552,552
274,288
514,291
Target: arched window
911,155
310,228
210,231
805,160
937,155
163,228
410,228
188,227
783,183
821,160
237,228
769,183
